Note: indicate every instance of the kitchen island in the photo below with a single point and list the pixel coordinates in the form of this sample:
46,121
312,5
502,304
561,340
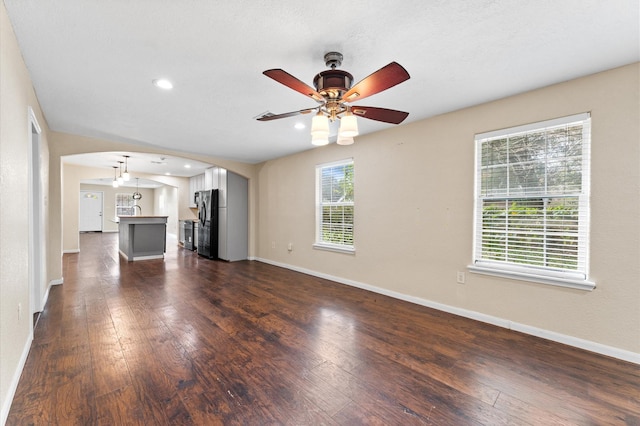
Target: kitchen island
142,237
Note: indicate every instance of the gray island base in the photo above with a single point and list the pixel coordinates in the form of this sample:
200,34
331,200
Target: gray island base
142,237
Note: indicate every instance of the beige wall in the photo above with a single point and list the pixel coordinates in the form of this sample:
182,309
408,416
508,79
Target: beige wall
16,97
414,189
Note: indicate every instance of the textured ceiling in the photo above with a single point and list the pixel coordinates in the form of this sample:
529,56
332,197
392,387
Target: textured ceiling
92,61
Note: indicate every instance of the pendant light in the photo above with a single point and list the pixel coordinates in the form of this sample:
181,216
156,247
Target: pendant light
115,183
120,178
126,175
137,195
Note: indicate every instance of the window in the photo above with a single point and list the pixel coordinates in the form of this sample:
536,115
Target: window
532,202
334,203
124,204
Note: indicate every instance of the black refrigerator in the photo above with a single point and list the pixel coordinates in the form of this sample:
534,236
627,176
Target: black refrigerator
208,218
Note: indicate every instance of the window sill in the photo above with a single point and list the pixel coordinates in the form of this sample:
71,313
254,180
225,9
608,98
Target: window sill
335,248
526,276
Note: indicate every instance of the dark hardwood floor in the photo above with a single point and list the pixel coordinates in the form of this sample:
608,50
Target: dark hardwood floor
193,341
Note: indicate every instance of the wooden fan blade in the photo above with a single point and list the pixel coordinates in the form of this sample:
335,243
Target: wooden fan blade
386,77
283,77
269,116
380,114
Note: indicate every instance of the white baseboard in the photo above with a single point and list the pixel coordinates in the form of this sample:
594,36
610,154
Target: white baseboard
43,302
71,251
478,316
6,405
56,282
110,231
13,386
587,345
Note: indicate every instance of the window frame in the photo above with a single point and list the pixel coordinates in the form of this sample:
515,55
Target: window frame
319,243
129,197
578,279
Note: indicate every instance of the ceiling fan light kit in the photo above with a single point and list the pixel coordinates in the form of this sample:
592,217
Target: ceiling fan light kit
320,139
348,125
333,92
319,125
344,141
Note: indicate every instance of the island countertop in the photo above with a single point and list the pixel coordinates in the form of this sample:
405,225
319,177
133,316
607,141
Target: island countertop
141,216
140,219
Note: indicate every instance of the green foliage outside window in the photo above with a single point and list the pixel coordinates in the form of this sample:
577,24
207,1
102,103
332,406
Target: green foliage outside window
541,232
337,204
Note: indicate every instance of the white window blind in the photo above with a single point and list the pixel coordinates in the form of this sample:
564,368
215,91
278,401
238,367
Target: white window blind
532,201
335,206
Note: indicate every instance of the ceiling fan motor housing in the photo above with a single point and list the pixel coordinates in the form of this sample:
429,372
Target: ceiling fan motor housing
333,83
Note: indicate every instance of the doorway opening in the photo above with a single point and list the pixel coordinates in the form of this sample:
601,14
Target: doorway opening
37,242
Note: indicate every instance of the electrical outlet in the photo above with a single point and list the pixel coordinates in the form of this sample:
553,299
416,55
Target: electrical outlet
273,244
19,311
290,247
460,277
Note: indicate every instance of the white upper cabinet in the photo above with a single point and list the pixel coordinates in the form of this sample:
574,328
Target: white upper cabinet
196,183
212,178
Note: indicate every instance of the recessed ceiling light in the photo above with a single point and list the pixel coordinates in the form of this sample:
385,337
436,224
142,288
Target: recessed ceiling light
299,126
167,174
163,83
187,166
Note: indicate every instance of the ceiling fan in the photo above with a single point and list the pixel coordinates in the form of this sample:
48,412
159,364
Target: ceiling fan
334,94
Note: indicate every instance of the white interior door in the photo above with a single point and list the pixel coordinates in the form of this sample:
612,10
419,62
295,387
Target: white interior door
90,217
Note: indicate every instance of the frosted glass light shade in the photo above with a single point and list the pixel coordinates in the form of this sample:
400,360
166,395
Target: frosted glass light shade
115,183
348,126
126,176
319,140
320,125
344,141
